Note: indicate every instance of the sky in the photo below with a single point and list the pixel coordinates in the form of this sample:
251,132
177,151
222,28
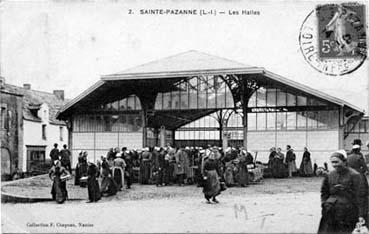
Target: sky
69,44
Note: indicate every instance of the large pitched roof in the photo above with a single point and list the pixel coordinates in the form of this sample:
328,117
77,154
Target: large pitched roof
187,64
32,99
183,63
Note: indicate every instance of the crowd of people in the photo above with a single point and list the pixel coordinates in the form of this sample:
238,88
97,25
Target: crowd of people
344,191
164,166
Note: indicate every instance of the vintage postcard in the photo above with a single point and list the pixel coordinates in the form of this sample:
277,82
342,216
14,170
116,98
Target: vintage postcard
194,116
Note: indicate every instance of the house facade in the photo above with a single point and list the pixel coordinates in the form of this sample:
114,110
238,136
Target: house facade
38,129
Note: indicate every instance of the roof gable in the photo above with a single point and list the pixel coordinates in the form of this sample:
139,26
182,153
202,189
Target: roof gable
33,99
188,61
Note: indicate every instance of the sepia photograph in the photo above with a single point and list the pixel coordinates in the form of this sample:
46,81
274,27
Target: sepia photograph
195,116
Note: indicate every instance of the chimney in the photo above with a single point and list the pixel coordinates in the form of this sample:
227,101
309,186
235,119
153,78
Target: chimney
2,82
27,86
59,94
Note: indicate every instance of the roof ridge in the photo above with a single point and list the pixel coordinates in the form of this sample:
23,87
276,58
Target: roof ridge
33,90
176,55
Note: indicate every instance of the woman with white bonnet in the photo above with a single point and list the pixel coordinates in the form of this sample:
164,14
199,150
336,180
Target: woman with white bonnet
118,170
341,190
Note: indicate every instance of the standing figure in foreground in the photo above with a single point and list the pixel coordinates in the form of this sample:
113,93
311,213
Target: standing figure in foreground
59,188
65,156
356,161
93,187
54,153
243,173
108,185
145,167
290,161
211,178
180,166
306,168
128,172
340,195
118,170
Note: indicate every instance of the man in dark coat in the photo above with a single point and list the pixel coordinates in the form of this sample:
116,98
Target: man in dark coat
65,158
341,201
128,172
54,153
93,187
356,161
162,169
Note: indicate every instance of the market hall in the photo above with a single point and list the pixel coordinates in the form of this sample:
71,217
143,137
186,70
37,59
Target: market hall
197,99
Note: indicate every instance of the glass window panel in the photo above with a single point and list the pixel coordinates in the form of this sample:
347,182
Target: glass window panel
322,119
261,97
229,99
333,119
207,135
108,123
232,122
131,103
115,123
138,103
167,102
76,123
123,127
100,123
184,100
362,126
212,86
138,123
251,121
281,98
123,104
301,120
291,120
252,101
261,121
202,92
312,119
159,102
115,105
130,123
109,106
301,100
193,93
91,123
281,120
271,97
221,95
177,135
175,100
271,117
291,100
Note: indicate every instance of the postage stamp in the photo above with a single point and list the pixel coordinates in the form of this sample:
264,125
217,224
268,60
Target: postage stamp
333,38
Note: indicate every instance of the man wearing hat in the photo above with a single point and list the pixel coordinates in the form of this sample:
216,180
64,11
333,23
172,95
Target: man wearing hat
356,161
54,153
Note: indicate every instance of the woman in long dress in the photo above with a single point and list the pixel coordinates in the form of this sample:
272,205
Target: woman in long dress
306,167
93,187
211,187
243,174
280,168
59,191
340,195
118,170
108,185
